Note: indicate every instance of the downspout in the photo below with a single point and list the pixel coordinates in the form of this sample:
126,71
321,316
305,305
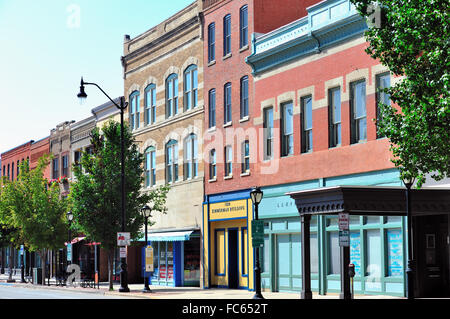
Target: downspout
247,59
317,49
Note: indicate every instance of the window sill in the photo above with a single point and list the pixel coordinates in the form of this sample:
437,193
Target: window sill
212,180
212,63
244,119
228,177
244,48
245,174
228,124
229,55
212,129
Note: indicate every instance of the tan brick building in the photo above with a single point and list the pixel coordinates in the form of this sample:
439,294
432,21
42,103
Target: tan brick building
163,84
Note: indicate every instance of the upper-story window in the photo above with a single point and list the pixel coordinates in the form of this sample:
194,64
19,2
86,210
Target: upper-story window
287,122
150,104
134,110
190,87
383,82
243,26
211,42
55,172
190,156
244,97
18,169
226,35
227,103
334,111
65,165
245,157
9,173
212,164
228,160
150,166
358,128
307,137
172,161
212,107
268,133
12,171
172,95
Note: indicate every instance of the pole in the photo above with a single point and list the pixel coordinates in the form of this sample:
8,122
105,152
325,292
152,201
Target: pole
22,266
410,267
258,294
146,287
123,260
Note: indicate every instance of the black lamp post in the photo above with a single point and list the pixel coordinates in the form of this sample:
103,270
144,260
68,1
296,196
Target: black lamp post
123,105
69,216
411,263
22,265
146,212
256,195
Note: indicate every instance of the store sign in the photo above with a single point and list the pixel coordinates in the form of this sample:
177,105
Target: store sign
149,259
228,210
123,239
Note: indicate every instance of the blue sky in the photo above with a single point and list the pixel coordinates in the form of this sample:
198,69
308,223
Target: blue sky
47,45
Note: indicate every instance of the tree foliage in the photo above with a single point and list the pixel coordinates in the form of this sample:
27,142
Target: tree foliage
412,39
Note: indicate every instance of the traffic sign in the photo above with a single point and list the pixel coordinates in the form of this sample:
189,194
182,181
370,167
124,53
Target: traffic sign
123,252
257,233
344,238
344,221
123,239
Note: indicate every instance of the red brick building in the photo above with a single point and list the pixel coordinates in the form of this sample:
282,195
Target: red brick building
37,150
12,158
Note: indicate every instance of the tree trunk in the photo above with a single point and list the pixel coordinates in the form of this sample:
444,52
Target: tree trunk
42,254
11,262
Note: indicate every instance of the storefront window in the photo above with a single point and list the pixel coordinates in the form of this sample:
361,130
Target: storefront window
192,261
395,252
333,245
355,251
169,261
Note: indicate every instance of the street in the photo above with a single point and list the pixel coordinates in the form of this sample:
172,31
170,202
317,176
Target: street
8,291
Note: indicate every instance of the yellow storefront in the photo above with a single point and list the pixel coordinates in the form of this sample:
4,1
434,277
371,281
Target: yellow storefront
227,250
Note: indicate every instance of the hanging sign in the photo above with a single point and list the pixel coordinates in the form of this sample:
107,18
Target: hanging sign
69,252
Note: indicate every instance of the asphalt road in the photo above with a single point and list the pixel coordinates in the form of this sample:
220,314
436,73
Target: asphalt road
13,292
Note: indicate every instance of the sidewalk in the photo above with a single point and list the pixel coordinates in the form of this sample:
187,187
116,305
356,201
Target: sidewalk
161,292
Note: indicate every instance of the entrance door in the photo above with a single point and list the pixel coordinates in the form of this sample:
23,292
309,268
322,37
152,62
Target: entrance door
233,260
288,263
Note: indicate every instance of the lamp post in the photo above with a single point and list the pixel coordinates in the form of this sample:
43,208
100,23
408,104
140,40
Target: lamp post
411,263
69,216
22,264
123,105
146,211
256,195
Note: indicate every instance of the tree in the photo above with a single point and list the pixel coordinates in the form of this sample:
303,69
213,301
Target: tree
96,193
412,39
35,210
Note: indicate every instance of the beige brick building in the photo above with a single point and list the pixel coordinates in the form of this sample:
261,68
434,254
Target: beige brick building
163,84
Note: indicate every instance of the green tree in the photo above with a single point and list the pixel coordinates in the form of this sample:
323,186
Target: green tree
35,210
96,192
412,39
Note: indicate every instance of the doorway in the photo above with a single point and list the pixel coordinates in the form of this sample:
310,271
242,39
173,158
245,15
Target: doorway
233,258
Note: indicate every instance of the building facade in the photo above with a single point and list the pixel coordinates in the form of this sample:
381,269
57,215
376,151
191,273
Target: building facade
163,84
316,93
229,116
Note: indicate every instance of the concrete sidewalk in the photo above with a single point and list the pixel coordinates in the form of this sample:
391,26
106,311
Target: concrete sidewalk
162,292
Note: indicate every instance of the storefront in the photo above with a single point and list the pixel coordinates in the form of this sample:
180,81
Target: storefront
227,251
377,243
176,258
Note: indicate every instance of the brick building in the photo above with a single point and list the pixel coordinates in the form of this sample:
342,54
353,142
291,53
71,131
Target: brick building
163,84
228,28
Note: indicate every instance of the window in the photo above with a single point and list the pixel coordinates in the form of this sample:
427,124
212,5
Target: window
190,157
18,169
334,111
134,110
172,95
307,138
226,35
150,166
245,157
212,164
55,173
172,161
358,111
244,97
8,172
211,42
190,87
243,26
227,103
287,136
65,165
150,104
228,161
212,107
77,158
383,82
12,171
268,133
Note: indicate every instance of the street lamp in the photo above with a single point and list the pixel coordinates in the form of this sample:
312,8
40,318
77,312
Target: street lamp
409,181
123,105
146,211
256,195
69,216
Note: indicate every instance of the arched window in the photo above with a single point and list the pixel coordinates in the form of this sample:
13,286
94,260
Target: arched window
172,95
190,156
150,104
134,110
172,161
190,87
150,166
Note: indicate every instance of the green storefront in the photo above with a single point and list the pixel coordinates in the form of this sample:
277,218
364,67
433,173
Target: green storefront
377,244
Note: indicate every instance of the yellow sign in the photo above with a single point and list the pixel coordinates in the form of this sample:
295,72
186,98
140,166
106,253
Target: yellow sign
149,259
228,210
